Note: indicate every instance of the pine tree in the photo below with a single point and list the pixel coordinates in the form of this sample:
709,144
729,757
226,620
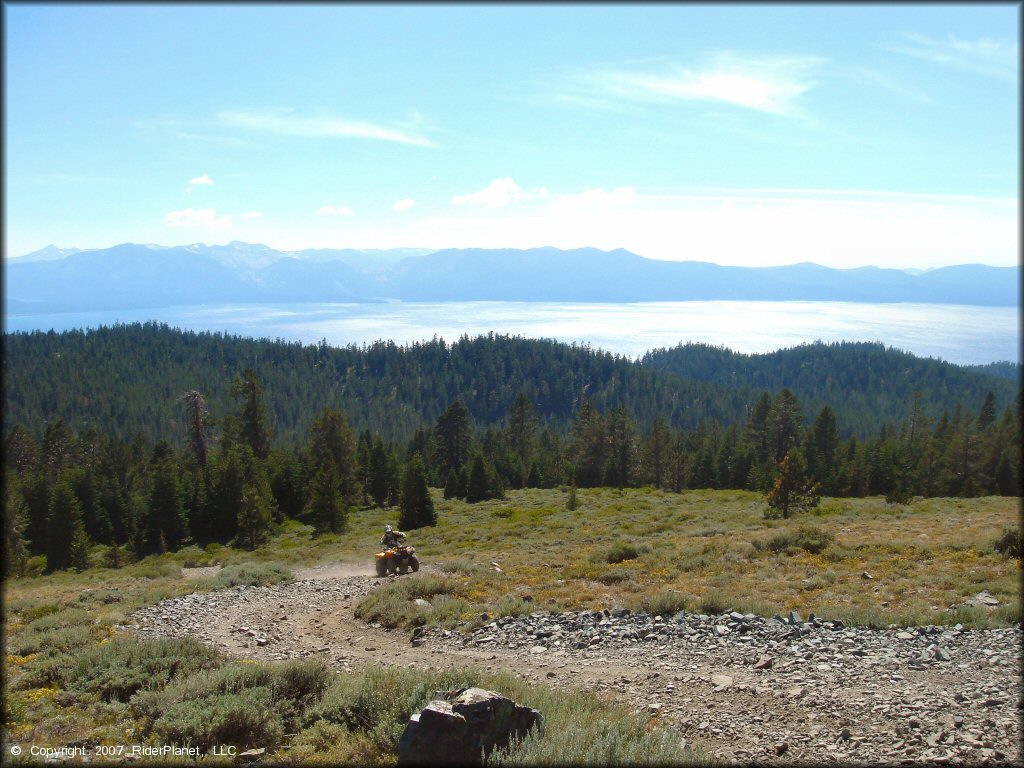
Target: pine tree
452,439
822,444
254,515
522,424
331,439
451,486
197,416
65,517
326,509
987,414
621,447
417,508
166,525
378,473
252,420
656,452
15,547
784,422
792,491
479,482
78,552
588,447
21,453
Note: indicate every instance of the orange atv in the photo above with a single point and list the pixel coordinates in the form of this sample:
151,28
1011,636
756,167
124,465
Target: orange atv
397,560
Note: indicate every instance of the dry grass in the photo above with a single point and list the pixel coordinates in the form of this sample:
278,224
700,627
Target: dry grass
714,548
647,550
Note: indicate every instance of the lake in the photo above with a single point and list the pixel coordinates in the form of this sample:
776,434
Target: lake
959,334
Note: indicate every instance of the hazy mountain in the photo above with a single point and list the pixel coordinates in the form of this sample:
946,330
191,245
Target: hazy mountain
136,276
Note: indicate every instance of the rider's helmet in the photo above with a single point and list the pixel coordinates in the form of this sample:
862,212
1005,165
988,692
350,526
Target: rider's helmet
387,529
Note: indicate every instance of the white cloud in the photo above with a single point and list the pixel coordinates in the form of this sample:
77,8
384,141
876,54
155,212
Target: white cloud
204,179
252,215
498,194
772,84
331,210
283,123
593,200
404,204
204,218
984,56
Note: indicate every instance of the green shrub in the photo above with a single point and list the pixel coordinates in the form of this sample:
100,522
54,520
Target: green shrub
622,551
1010,543
195,557
297,686
445,611
253,575
119,669
666,602
813,540
28,610
391,604
231,678
245,720
155,568
460,565
47,671
712,602
59,631
510,605
615,577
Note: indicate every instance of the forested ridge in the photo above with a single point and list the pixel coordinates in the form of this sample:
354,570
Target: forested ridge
507,413
124,380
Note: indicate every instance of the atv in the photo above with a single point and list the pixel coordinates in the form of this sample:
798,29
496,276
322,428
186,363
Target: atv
397,560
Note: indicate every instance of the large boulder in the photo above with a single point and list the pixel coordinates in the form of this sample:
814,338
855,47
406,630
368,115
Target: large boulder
460,727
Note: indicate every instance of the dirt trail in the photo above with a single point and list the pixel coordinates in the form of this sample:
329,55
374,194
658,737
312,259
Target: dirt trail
853,710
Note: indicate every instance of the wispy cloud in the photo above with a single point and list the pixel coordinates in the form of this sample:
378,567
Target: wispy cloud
404,204
334,210
285,123
204,218
772,84
498,194
252,215
984,56
199,181
594,200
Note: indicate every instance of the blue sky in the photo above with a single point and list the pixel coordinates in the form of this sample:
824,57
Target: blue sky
843,135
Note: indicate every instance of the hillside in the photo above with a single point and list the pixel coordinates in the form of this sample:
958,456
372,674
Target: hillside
127,380
130,276
867,382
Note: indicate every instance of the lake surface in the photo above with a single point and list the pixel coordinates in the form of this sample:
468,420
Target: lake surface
956,333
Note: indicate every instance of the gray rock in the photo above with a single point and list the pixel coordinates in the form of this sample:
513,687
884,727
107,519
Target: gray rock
463,727
721,682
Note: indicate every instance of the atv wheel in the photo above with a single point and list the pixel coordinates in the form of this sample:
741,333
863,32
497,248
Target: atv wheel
414,563
403,567
382,566
390,565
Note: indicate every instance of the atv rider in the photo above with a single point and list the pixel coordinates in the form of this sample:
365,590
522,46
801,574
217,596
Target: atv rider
390,537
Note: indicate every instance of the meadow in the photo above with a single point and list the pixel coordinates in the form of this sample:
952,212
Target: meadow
71,676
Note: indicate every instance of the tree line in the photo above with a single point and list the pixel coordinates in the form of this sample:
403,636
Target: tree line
76,496
124,380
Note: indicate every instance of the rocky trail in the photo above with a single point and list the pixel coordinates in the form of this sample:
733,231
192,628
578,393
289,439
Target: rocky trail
741,687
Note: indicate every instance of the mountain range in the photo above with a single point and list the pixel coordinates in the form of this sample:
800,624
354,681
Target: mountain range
132,276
